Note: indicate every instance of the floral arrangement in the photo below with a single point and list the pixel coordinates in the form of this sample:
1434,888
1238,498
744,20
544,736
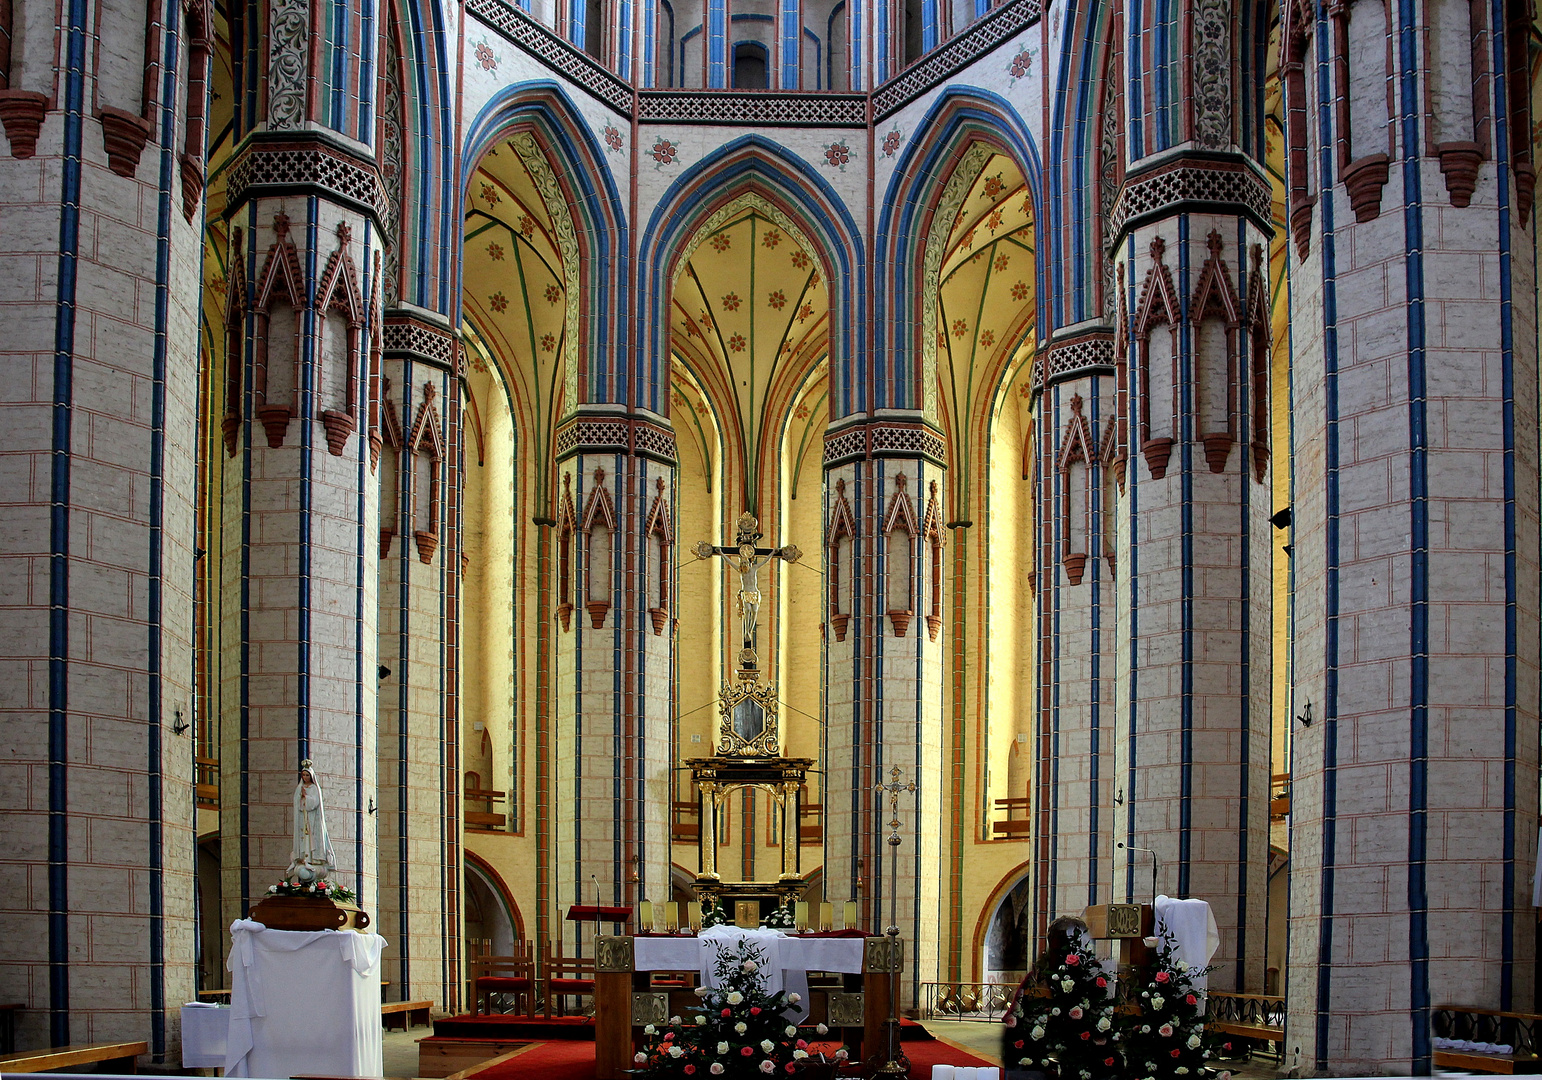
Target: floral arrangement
780,919
318,890
1065,1019
712,913
738,1030
1165,1038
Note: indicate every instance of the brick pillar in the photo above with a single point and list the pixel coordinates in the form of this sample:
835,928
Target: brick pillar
1075,570
99,281
884,662
610,748
420,775
1191,719
1413,401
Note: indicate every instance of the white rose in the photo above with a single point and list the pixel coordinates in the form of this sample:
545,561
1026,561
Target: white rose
639,1058
735,998
841,1055
1067,985
1055,1011
722,1048
794,998
1193,1042
1181,1069
821,1029
1158,1001
701,991
650,1030
716,1069
799,1055
675,1052
1183,965
768,1066
674,1020
1037,1032
701,1020
790,1031
1145,1029
750,965
741,1027
767,1045
1103,1024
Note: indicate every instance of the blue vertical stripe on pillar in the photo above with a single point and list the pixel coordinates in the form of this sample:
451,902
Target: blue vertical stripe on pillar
1419,525
792,41
308,389
59,529
1329,838
1132,575
368,43
717,44
1507,362
1185,433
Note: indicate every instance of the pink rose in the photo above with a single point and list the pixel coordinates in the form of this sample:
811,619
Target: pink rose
1072,959
747,1051
1163,977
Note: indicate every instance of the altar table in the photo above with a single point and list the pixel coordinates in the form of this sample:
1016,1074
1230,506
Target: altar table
788,961
303,1003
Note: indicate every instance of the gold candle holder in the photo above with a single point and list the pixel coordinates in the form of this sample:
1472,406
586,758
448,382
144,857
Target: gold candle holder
671,916
827,916
645,916
800,916
693,915
849,916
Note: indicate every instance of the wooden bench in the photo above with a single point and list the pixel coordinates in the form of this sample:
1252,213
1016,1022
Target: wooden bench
1255,1017
1514,1029
119,1057
1014,826
408,1014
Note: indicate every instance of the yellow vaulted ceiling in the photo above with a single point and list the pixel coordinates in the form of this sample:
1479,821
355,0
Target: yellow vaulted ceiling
750,309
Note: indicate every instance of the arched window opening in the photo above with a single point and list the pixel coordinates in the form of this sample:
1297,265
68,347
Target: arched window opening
594,27
913,35
751,66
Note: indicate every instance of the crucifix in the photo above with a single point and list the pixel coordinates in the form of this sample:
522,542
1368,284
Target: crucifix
746,558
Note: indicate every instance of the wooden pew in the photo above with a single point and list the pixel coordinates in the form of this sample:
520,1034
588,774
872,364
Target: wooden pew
1517,1030
119,1057
408,1014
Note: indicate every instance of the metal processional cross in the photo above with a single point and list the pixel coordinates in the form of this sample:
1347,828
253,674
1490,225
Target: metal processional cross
745,558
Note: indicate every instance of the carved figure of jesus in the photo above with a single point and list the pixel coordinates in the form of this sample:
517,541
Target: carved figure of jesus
748,566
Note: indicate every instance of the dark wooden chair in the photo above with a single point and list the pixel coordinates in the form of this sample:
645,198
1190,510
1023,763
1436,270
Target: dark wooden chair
505,977
564,976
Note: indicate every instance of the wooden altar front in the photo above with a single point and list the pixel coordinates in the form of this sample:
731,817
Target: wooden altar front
625,1001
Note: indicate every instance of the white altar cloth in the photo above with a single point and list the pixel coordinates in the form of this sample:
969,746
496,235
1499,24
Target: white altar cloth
788,959
204,1031
303,1003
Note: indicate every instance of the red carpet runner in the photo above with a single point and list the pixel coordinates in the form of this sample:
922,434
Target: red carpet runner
571,1060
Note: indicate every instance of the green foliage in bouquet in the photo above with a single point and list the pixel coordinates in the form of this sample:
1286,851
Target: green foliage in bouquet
318,890
1064,1021
1165,1038
737,1031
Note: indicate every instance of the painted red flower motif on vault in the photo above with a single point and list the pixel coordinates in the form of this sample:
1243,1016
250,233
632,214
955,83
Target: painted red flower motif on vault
498,302
553,294
722,242
612,137
799,258
1022,64
495,252
527,224
777,299
736,343
987,339
731,302
664,152
486,57
993,186
837,155
772,238
490,195
960,328
891,142
548,343
1019,290
1002,262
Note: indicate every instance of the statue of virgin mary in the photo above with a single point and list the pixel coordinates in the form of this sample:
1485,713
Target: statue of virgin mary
312,857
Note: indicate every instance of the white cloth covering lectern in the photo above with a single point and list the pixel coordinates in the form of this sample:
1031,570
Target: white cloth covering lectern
303,1003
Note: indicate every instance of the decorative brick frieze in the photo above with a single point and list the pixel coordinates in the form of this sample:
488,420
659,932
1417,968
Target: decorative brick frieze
407,336
1087,352
1217,184
304,164
615,434
943,63
884,438
720,107
124,135
22,113
520,29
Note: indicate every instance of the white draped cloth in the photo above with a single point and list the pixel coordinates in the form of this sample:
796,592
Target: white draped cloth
303,1002
788,960
1195,935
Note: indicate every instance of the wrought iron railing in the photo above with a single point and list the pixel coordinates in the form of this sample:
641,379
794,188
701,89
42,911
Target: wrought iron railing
966,1000
1263,1011
1518,1030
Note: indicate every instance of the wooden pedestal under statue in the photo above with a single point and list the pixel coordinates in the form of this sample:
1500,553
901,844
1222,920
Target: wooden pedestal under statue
309,913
